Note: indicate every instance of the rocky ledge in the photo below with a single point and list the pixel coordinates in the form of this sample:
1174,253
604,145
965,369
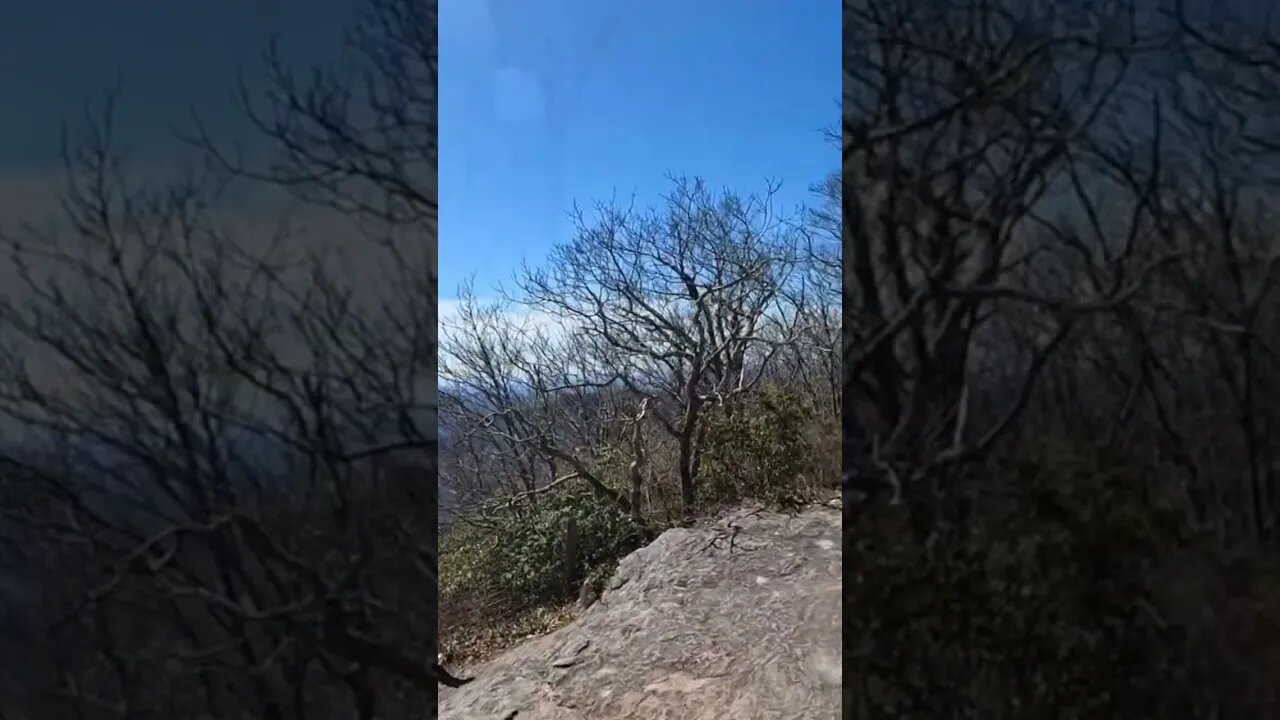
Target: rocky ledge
737,619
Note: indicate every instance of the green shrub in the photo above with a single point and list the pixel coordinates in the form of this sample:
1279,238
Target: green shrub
520,554
755,449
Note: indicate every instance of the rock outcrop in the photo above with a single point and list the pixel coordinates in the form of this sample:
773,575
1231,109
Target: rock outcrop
738,619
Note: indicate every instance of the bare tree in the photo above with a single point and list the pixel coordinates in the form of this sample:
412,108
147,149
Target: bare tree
814,359
1059,225
963,124
220,416
674,306
518,395
221,450
360,137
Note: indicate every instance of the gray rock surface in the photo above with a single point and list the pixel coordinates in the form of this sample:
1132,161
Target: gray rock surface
738,619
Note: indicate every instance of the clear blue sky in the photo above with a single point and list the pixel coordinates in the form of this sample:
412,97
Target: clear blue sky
542,103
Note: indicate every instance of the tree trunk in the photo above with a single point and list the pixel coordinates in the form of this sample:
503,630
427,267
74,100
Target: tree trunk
635,469
688,455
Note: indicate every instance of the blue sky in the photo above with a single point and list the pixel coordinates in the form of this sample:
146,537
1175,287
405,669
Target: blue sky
543,103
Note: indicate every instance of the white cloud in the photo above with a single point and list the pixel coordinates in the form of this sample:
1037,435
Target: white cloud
450,314
447,310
